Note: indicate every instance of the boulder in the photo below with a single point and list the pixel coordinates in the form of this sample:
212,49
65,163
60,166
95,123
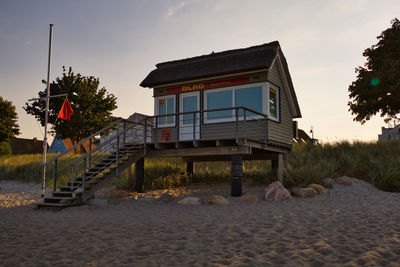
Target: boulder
166,197
276,191
112,192
119,193
328,182
249,199
190,201
218,200
304,192
344,180
319,188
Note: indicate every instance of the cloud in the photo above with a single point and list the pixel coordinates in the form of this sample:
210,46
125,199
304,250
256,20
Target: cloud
172,10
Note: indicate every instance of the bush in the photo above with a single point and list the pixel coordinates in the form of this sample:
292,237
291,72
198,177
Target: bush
5,148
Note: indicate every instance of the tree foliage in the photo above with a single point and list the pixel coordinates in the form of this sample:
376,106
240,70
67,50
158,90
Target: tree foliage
92,106
8,120
377,87
8,125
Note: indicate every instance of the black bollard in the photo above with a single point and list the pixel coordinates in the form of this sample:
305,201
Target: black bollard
139,175
190,168
237,174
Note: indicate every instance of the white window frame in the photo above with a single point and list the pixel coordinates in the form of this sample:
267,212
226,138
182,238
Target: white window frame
206,120
278,103
157,111
265,92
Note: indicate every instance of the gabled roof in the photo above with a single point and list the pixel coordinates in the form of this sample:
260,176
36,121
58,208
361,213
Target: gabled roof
260,57
215,64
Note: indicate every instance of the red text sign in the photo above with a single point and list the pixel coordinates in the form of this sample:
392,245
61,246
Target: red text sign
201,86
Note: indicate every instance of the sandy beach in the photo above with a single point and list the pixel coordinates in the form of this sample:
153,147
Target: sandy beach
351,225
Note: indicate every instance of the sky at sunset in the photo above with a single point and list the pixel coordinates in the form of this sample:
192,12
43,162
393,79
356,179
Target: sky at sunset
121,41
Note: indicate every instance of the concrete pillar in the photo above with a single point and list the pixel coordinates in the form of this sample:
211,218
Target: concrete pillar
190,168
139,175
237,174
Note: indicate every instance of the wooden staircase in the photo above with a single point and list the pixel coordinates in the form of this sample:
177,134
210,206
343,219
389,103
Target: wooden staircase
107,165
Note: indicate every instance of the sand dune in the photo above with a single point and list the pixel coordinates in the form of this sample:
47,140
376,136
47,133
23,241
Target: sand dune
351,225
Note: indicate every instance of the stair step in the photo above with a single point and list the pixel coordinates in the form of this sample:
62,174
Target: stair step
62,194
54,205
67,188
57,199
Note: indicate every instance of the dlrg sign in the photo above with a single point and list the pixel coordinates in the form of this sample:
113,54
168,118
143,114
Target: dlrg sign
201,86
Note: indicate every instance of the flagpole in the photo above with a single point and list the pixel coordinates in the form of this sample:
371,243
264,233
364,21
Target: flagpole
47,112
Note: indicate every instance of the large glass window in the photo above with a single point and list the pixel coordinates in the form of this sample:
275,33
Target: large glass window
166,106
273,103
220,99
249,98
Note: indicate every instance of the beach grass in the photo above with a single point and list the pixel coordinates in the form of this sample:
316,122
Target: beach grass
375,162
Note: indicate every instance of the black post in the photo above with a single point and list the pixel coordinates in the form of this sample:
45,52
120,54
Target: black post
237,174
190,168
274,166
139,175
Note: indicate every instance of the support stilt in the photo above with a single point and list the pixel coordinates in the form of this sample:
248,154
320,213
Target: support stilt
277,167
139,175
237,174
280,168
190,168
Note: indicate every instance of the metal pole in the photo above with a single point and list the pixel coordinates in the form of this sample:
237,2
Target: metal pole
47,112
156,132
117,155
145,135
55,175
124,133
245,125
84,175
265,129
194,128
236,125
90,153
72,178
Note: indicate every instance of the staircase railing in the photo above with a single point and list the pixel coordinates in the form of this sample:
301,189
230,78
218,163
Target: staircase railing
126,131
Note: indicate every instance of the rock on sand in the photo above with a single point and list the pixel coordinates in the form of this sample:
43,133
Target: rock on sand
319,188
218,200
344,180
112,192
304,192
249,199
190,201
276,191
328,182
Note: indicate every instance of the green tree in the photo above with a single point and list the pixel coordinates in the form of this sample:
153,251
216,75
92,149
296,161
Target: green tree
92,106
8,125
377,87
